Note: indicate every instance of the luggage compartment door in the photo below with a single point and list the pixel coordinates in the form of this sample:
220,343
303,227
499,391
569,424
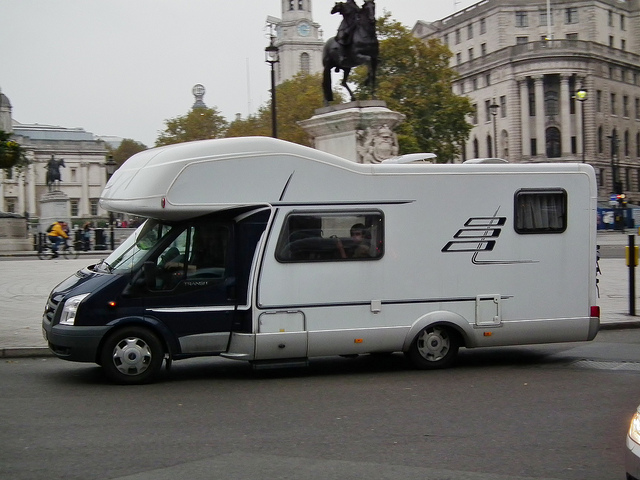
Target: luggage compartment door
488,310
281,334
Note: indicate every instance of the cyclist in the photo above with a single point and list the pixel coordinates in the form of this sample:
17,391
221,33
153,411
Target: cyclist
57,235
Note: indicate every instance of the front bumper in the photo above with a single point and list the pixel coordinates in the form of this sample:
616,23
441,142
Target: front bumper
73,343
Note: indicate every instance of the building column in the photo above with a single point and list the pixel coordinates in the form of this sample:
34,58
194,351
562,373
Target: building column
541,144
523,85
565,116
31,184
83,202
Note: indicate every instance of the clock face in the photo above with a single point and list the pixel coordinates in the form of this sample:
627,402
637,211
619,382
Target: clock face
304,29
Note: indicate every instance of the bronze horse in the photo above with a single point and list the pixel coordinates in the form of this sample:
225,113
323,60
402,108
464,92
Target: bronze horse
363,50
53,172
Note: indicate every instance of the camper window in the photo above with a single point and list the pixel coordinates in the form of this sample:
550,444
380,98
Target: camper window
331,236
540,211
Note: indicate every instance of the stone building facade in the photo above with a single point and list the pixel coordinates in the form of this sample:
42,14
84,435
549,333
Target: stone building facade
82,178
526,60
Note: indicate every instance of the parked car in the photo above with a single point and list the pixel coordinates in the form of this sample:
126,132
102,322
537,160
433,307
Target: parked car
632,453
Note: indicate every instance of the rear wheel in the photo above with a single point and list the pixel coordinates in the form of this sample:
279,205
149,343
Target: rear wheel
132,355
434,347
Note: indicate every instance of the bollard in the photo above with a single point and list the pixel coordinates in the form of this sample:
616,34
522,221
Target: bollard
632,262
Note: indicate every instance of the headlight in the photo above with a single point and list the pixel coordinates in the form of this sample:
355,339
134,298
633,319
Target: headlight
634,430
70,309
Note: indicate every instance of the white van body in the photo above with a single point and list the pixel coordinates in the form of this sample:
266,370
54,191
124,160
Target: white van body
466,253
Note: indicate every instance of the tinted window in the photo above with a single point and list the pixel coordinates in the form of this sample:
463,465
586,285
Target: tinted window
344,236
541,211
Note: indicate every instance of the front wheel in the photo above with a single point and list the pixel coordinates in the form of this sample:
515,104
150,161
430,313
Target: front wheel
132,355
70,253
434,347
45,253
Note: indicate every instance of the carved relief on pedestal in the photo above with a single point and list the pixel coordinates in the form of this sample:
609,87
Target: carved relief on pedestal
377,143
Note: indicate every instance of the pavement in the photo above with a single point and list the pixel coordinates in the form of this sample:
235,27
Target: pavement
26,282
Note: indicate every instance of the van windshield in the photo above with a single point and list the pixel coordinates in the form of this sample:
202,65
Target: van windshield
135,248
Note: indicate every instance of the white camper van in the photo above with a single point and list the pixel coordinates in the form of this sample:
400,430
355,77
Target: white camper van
262,250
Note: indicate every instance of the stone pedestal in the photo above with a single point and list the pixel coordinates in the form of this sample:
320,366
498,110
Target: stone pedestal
358,131
13,233
54,206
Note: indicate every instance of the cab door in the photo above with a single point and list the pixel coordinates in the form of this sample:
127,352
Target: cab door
201,283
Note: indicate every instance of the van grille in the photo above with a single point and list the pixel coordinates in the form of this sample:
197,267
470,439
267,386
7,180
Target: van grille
50,309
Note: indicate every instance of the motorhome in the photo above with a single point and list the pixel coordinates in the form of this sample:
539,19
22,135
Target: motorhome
261,250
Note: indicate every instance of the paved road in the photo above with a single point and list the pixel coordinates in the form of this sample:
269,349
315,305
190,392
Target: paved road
26,282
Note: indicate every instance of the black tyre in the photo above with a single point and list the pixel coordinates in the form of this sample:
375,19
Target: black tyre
71,253
45,254
434,347
132,355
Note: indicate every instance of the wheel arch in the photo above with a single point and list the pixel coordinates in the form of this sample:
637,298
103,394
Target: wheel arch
169,342
457,323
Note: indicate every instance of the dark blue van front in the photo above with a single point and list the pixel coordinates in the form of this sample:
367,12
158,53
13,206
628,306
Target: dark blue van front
172,290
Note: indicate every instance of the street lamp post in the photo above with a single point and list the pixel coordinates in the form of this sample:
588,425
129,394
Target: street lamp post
581,96
111,166
271,57
493,108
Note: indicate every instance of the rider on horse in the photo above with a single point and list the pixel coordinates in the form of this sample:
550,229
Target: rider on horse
349,11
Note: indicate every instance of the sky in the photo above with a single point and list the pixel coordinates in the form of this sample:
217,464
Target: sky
123,67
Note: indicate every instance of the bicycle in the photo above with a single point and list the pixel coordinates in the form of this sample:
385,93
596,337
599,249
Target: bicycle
65,250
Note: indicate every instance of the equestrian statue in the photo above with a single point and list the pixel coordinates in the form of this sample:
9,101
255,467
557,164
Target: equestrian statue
53,172
355,44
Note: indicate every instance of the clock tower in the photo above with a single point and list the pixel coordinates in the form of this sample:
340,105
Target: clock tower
299,40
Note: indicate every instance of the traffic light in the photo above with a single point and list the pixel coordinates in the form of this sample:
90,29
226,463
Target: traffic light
622,200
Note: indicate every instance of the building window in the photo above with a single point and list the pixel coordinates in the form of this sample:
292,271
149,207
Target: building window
551,102
74,203
543,17
305,63
574,145
475,84
637,108
446,39
534,147
553,142
318,236
600,141
540,211
476,148
470,31
601,177
625,106
94,206
623,44
11,205
458,58
489,146
613,104
572,36
570,15
483,26
474,114
521,19
532,102
290,4
622,22
611,41
483,49
487,111
599,100
503,106
638,145
470,54
457,36
610,19
522,40
626,143
487,80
